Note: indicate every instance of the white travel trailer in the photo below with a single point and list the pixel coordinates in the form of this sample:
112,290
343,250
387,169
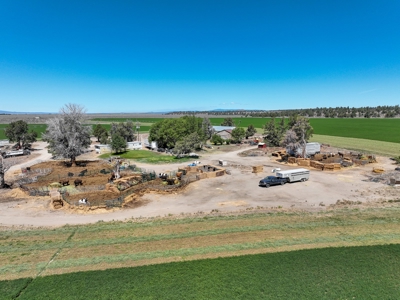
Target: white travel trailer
294,175
136,145
311,149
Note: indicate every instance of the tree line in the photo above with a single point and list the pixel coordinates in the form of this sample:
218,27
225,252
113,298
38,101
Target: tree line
318,112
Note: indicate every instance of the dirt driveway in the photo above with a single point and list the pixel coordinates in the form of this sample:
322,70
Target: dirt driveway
229,193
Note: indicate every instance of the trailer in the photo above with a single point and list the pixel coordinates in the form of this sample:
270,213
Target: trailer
15,153
311,149
294,175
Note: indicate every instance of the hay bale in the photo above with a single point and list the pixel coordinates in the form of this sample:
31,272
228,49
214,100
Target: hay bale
292,160
378,170
337,166
258,169
318,165
318,157
305,162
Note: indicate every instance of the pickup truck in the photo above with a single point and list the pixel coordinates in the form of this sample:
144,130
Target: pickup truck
272,180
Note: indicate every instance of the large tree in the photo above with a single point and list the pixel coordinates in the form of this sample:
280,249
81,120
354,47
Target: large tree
207,128
238,134
67,134
5,165
124,129
299,134
99,131
228,122
250,131
18,132
118,143
168,132
272,134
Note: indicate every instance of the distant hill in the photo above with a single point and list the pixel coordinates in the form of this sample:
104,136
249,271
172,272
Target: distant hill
5,112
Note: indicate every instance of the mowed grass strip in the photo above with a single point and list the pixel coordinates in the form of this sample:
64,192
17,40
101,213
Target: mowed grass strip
332,273
161,240
362,145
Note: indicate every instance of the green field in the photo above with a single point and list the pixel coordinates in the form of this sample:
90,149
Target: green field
116,120
371,272
39,128
149,157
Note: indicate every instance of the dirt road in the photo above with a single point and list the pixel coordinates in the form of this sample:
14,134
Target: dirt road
229,193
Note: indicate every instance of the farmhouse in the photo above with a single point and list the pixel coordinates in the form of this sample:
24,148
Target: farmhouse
224,132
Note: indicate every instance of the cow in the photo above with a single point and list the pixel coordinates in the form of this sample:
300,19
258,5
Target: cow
82,173
68,164
83,201
78,182
64,182
163,176
70,174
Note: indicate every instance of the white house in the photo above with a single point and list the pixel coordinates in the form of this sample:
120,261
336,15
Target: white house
136,145
102,148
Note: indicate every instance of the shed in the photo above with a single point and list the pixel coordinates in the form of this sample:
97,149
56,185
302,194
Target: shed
262,145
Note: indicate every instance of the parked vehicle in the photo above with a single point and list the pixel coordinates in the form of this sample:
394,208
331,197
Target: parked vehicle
311,149
15,153
294,175
272,180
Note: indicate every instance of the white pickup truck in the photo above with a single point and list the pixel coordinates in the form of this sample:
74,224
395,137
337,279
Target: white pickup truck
15,153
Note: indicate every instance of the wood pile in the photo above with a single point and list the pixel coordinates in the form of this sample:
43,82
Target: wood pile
258,169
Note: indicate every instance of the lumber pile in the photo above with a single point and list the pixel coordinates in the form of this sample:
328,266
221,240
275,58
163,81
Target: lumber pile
258,169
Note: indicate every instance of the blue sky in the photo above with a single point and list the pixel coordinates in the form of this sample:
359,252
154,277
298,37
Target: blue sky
139,56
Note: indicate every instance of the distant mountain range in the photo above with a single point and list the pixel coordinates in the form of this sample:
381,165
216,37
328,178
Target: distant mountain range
5,112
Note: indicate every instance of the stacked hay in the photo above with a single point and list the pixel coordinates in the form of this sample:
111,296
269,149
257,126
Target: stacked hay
56,200
318,165
329,167
292,160
337,166
258,169
304,162
312,163
111,188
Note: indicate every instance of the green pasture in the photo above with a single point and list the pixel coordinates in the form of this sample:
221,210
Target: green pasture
149,157
360,145
39,128
143,128
368,272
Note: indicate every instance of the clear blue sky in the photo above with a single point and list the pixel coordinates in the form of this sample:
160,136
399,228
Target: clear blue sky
138,56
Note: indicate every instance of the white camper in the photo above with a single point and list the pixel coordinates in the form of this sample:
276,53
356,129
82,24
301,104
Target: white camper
311,149
294,175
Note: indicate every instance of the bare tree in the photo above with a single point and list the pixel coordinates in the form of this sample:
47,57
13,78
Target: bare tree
290,141
304,131
66,134
5,165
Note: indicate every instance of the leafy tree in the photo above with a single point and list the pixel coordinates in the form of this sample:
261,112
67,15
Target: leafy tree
228,122
118,143
123,129
18,132
216,139
238,134
169,131
282,126
66,134
188,144
272,134
98,131
250,131
104,138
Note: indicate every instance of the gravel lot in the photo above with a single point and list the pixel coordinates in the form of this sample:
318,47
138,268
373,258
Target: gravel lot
230,193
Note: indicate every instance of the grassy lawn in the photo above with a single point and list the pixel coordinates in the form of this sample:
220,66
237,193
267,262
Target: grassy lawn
150,157
370,272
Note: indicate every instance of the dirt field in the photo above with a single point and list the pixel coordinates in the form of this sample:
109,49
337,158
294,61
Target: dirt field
230,193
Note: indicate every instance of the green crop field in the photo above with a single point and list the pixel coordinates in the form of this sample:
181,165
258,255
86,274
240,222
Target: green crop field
39,128
332,273
117,120
371,272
